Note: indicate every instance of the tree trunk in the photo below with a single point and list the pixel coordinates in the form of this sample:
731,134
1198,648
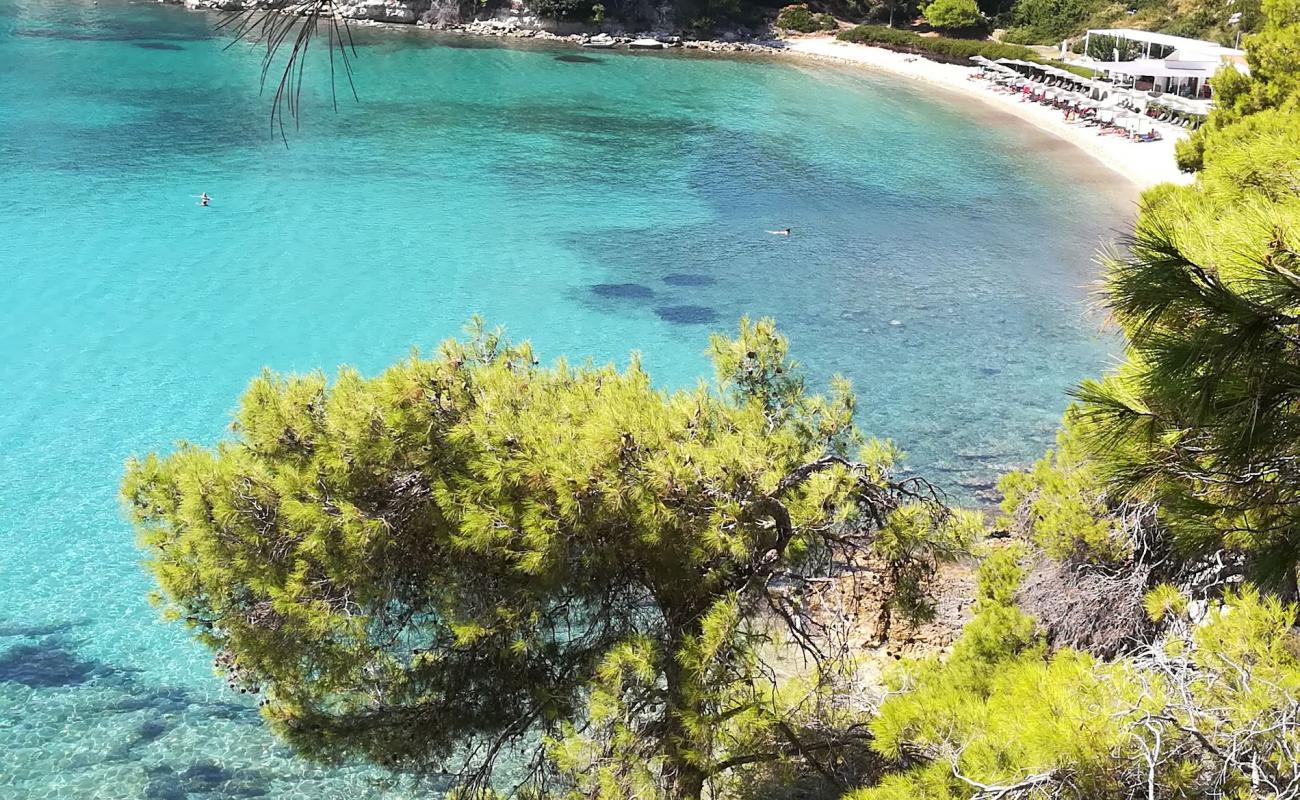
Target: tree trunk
686,782
683,775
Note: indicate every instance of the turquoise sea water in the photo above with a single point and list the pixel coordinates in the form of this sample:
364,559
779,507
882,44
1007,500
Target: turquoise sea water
939,259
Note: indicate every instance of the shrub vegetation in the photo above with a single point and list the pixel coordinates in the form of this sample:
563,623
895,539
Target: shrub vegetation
936,47
472,551
564,10
801,19
953,14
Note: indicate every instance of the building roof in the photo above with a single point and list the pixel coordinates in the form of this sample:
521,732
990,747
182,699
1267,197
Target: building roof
1155,67
1213,49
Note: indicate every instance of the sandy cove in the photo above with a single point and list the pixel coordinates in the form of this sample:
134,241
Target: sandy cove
1145,164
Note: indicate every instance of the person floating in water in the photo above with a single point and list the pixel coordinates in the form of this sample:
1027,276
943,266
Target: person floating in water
204,200
782,232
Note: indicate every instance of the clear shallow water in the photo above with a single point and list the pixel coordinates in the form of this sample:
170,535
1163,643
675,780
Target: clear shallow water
594,208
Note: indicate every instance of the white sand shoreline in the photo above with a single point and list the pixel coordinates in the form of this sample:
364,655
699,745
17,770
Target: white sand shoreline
1145,164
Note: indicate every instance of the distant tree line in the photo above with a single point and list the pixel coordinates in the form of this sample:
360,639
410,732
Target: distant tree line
1040,22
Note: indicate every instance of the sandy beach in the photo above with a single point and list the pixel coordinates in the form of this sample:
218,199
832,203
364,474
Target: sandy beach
1144,163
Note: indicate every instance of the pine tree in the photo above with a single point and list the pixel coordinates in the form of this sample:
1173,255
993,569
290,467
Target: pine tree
1203,418
1210,711
469,551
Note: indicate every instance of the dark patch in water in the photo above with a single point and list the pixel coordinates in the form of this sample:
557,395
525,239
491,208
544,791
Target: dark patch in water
172,700
571,59
689,279
246,787
47,665
686,315
42,629
124,34
206,778
164,789
147,731
467,43
623,291
158,46
609,122
972,456
165,701
211,123
164,785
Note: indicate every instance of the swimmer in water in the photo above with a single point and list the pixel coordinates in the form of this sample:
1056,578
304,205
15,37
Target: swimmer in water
782,232
204,199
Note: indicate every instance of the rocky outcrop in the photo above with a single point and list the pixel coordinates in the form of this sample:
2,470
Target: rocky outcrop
512,21
369,11
216,5
405,11
399,11
512,28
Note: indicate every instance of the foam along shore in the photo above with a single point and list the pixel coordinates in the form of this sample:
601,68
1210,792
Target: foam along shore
1143,163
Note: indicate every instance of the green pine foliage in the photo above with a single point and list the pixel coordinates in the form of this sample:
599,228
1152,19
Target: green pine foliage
1244,693
1273,84
1046,21
953,14
1201,418
564,10
1061,503
801,19
1199,422
999,711
1164,600
1049,22
940,48
470,550
912,548
1211,714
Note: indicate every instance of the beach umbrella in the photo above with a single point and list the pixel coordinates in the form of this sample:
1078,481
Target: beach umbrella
1012,62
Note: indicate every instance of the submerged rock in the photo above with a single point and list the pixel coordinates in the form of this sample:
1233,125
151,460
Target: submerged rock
686,315
625,291
689,279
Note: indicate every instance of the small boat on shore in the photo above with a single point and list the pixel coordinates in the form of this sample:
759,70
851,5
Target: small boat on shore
646,44
603,41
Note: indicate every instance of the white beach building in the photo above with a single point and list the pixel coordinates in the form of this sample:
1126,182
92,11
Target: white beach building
1160,64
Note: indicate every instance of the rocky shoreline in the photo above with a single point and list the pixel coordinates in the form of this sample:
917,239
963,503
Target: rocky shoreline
509,29
516,22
